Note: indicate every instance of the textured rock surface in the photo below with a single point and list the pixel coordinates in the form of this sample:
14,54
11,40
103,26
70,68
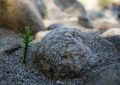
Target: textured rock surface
113,35
109,75
62,54
15,15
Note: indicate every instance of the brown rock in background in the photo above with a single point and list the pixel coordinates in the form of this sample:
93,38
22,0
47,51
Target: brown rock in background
105,25
16,14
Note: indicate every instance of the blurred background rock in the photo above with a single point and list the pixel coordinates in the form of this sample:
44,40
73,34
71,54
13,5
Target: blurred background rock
81,13
75,13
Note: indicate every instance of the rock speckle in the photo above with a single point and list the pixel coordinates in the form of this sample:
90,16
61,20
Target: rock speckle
62,54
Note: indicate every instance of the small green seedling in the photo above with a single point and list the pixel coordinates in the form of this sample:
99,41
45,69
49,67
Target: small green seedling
26,40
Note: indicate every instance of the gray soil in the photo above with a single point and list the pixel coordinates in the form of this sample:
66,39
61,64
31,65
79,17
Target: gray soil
14,72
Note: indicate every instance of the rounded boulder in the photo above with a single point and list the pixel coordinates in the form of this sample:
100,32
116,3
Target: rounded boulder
62,54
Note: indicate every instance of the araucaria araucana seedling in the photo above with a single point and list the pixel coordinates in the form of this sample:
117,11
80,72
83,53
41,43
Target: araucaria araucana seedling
26,40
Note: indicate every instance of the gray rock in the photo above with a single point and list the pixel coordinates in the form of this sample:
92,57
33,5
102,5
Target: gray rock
76,9
42,8
85,22
15,15
62,54
113,35
58,84
94,15
109,75
53,26
72,7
